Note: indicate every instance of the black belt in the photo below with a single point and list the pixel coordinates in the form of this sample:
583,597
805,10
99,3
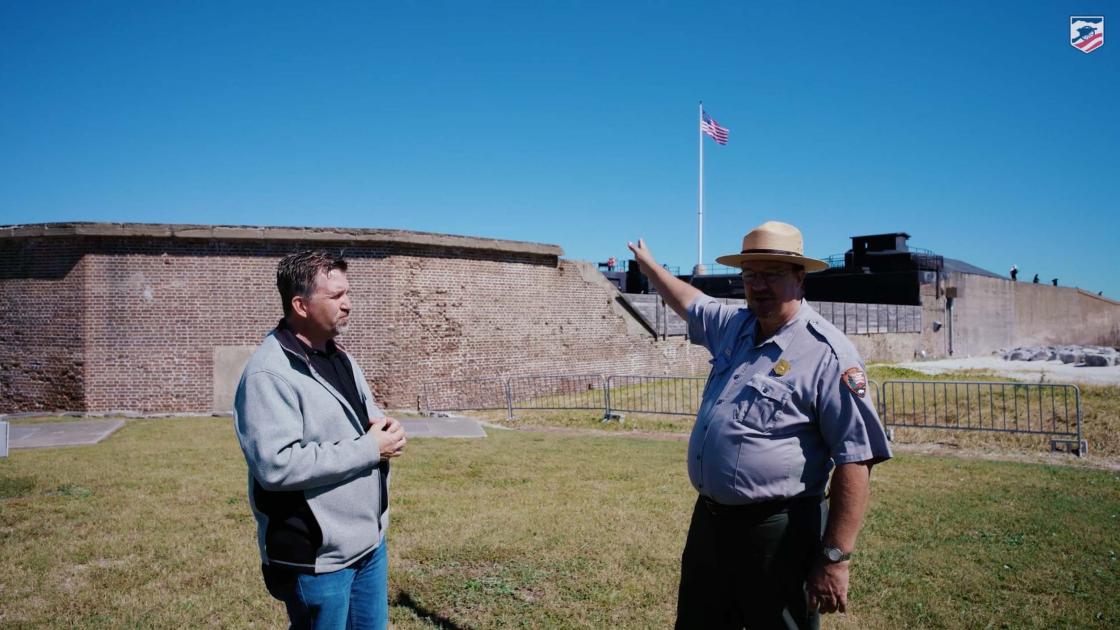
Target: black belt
759,507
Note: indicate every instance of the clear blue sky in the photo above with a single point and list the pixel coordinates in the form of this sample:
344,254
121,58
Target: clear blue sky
976,128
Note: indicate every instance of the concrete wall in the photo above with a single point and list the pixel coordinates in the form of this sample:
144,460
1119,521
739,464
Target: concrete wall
984,314
995,313
1048,315
934,343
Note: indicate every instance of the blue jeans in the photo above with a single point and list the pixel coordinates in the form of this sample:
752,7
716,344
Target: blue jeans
354,597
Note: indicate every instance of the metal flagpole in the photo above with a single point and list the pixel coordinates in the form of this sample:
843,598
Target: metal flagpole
699,269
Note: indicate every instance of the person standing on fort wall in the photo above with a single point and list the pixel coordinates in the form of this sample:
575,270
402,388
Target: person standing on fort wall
317,448
785,403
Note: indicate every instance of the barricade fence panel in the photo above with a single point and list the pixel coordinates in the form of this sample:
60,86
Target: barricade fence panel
552,391
1026,408
654,394
1031,408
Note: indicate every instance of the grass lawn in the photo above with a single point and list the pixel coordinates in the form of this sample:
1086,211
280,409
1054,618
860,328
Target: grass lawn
151,528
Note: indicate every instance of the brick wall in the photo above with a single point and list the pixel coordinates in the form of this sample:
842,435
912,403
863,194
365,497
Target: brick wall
131,323
466,318
41,320
156,308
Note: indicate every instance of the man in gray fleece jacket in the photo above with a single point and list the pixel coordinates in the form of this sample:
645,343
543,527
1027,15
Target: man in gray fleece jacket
317,447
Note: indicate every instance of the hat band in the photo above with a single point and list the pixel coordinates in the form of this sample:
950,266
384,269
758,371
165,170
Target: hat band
780,252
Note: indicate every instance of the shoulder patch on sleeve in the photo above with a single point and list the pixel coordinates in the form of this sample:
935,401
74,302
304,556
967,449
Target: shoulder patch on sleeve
855,380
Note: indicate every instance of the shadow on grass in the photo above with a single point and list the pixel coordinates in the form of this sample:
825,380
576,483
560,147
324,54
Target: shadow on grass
438,620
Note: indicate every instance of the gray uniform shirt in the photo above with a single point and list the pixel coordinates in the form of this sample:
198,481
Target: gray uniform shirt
776,416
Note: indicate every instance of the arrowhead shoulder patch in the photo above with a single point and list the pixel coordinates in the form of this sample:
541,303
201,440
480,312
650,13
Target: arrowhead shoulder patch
855,380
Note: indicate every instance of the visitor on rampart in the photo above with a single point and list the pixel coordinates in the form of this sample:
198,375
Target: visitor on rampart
317,447
785,404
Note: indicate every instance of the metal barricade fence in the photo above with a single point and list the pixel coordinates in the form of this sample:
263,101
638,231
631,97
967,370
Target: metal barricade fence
1025,408
1004,407
672,395
553,391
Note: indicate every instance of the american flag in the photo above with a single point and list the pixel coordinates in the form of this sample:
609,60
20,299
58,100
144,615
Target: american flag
711,128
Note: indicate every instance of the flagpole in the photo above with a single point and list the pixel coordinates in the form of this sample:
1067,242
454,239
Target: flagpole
699,269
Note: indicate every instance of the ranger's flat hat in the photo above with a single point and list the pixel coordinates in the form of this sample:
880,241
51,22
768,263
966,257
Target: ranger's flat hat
773,241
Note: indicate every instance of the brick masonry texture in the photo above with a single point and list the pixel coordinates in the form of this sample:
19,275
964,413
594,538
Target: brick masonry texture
104,323
41,322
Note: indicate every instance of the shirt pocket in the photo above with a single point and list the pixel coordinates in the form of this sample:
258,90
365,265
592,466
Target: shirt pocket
761,401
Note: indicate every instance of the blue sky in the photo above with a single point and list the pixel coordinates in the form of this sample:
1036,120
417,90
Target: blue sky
979,131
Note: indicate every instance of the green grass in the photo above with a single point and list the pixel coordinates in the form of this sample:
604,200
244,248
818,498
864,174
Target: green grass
151,528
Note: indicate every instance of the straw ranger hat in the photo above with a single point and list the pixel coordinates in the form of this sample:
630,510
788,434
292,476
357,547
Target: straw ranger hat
773,241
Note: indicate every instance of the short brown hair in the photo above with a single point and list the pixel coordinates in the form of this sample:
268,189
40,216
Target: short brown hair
295,275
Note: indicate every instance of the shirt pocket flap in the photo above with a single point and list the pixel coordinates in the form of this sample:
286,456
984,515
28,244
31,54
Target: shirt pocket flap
775,390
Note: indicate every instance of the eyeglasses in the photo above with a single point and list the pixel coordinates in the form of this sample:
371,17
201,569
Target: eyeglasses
769,277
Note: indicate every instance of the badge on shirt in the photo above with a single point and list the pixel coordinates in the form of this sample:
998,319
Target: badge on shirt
782,367
855,380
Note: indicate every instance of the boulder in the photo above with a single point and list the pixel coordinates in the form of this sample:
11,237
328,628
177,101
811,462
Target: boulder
1069,356
1098,360
1041,354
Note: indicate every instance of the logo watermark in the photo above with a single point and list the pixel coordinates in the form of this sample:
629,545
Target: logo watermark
1086,32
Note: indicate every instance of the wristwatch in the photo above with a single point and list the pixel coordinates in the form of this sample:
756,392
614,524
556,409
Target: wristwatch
833,554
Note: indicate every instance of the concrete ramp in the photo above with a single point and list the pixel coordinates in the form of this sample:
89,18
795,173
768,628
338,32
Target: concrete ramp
449,427
80,433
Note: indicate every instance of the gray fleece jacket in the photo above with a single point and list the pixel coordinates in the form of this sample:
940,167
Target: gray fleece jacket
315,486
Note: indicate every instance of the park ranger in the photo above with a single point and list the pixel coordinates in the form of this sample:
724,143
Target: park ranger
785,405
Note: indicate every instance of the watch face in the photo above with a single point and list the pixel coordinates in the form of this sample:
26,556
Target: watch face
834,554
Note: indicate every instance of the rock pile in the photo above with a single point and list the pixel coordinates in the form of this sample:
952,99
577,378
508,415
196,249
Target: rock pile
1093,356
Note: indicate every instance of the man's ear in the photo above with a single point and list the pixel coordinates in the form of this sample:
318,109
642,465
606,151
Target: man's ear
299,306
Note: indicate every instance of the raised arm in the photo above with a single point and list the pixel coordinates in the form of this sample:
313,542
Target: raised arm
676,293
